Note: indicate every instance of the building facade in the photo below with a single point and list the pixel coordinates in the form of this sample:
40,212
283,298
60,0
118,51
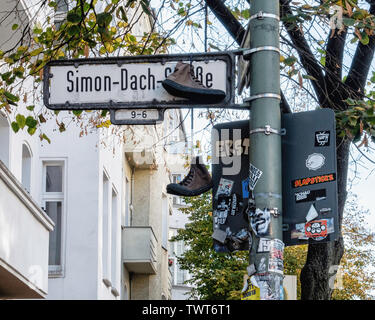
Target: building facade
89,211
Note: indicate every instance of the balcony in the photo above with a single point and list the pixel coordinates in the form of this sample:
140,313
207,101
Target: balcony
139,249
24,241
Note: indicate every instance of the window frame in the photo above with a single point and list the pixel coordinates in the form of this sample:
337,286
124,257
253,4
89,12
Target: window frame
55,271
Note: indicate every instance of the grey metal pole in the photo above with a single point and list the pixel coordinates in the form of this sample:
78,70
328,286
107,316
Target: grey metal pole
266,254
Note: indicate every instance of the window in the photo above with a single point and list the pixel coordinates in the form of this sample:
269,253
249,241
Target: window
53,203
177,201
4,140
126,218
115,244
26,167
165,212
106,233
61,12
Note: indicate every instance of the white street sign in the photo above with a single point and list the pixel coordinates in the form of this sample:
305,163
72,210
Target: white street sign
114,84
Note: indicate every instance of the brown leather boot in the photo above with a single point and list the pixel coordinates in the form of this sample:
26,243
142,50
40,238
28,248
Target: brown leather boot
197,181
182,83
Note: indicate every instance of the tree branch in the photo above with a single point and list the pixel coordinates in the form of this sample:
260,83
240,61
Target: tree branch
361,63
307,58
227,19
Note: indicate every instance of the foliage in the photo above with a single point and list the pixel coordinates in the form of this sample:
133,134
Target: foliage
220,275
91,28
358,262
215,276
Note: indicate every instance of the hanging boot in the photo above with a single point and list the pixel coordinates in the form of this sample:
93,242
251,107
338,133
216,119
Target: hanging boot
182,83
197,181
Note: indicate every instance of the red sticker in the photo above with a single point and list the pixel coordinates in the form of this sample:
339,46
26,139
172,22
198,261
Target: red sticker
316,228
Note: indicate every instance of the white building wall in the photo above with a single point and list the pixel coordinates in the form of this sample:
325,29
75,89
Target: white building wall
81,213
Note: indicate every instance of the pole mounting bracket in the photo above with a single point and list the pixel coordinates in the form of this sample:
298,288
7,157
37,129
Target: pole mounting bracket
267,130
249,52
263,95
261,15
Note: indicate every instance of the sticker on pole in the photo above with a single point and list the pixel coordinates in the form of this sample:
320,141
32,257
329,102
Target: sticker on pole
255,175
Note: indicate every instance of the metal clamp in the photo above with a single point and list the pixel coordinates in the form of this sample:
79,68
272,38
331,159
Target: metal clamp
248,53
263,95
268,130
261,15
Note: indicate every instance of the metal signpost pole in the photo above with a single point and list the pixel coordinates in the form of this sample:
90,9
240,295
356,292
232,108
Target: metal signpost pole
266,254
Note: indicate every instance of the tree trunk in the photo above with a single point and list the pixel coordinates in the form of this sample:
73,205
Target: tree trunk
318,274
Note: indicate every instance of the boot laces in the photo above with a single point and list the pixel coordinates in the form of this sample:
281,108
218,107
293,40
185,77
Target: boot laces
188,178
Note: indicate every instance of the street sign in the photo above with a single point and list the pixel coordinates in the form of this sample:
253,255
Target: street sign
137,116
132,82
310,211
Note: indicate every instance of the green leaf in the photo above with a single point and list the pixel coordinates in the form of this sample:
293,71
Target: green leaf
30,108
15,26
73,17
104,19
348,22
11,97
77,112
31,131
43,136
21,120
290,61
73,30
36,52
365,38
31,122
15,126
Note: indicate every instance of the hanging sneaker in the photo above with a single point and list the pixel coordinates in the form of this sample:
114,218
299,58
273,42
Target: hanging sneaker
182,83
197,181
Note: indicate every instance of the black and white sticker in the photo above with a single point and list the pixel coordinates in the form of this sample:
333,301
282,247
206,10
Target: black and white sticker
260,222
310,195
322,138
264,245
225,187
255,174
315,161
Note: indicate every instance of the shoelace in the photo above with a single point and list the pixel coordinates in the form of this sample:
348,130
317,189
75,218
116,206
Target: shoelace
188,178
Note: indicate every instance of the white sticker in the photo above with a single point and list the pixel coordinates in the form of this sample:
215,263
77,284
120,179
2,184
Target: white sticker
315,161
312,214
225,187
255,174
264,245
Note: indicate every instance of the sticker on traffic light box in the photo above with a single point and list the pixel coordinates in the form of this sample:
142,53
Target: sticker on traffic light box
322,138
317,229
305,231
310,195
315,161
245,188
224,188
313,180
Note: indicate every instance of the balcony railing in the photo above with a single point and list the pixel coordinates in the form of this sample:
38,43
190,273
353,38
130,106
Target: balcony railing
24,241
139,249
